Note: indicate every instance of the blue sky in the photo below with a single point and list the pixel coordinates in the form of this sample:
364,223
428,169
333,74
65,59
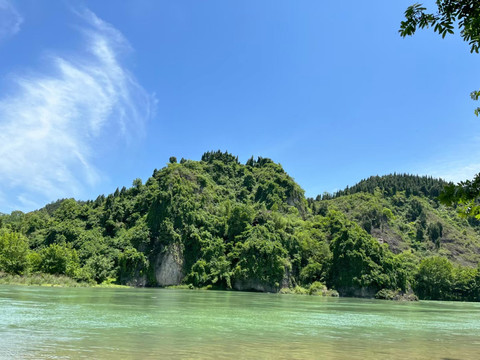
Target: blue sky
94,94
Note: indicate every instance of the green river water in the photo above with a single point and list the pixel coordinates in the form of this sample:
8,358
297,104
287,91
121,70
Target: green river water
95,323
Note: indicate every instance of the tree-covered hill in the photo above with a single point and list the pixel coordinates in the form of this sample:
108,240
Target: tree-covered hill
395,183
222,224
404,212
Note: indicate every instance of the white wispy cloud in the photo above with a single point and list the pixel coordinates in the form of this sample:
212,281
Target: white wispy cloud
455,171
456,164
50,123
10,19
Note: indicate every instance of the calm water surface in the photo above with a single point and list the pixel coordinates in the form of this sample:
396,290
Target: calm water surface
63,323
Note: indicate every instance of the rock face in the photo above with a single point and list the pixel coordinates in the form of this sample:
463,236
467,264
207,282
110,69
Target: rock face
169,266
363,292
137,281
287,278
253,285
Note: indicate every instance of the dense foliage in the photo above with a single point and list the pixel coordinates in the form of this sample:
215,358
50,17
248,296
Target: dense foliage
392,184
465,195
408,218
219,223
463,13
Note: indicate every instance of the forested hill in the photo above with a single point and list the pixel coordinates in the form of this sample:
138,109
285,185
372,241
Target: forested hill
222,224
404,212
392,184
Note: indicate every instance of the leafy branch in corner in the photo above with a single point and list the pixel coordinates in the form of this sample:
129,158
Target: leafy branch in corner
464,13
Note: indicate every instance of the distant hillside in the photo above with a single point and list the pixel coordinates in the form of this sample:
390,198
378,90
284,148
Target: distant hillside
217,223
403,211
394,183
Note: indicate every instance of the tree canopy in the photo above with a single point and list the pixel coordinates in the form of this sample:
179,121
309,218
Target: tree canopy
465,195
463,13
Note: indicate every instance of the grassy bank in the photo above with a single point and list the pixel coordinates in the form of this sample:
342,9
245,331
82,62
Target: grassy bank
41,279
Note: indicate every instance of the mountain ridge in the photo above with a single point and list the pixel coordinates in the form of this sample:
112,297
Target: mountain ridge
219,223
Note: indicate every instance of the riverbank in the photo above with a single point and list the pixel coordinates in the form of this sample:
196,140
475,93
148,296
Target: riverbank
316,289
41,279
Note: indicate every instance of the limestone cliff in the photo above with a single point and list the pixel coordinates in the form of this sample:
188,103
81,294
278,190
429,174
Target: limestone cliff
169,266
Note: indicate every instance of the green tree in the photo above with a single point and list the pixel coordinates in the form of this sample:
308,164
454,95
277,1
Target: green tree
465,194
59,259
357,261
434,279
318,259
465,284
98,268
132,263
260,257
435,231
13,252
464,13
238,221
419,234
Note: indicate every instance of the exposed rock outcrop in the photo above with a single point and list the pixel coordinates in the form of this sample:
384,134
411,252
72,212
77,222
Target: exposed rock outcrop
363,292
254,285
386,294
136,281
169,266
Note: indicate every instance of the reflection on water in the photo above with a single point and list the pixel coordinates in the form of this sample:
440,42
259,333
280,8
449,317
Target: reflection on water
60,323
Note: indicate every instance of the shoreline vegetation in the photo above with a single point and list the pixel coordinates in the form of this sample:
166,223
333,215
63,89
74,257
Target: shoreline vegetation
42,279
315,289
220,224
50,280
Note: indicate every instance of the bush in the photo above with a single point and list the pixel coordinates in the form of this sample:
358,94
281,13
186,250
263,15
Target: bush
386,294
317,288
434,279
13,252
59,259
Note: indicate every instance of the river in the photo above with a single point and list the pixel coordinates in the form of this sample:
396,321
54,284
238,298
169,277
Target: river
123,323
